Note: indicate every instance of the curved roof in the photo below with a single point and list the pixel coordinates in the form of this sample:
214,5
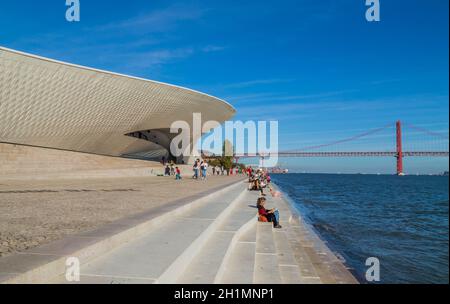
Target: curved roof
53,104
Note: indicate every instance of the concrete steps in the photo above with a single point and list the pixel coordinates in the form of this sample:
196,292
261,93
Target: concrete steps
163,254
239,263
266,262
220,241
204,267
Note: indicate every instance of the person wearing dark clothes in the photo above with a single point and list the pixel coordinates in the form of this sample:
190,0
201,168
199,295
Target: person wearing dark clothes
196,169
167,171
271,215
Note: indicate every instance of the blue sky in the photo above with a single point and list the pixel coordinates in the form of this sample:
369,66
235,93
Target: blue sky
318,67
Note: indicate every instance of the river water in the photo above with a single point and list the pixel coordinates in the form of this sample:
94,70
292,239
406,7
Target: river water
402,221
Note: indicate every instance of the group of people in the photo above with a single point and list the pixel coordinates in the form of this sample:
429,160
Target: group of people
258,181
172,170
216,170
200,169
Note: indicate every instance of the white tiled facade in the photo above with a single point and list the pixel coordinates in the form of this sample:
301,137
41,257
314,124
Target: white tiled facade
52,104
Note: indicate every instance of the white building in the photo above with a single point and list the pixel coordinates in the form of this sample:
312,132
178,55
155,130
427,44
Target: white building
52,104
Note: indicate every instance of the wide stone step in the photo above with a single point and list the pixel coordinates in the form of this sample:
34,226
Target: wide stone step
149,257
265,243
289,268
239,266
205,266
221,241
266,260
203,269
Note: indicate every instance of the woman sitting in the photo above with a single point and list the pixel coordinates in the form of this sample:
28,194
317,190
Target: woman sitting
271,215
256,186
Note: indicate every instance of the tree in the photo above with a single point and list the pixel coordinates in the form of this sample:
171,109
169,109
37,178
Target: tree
227,162
214,162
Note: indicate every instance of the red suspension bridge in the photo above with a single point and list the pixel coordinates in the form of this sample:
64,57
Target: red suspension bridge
438,148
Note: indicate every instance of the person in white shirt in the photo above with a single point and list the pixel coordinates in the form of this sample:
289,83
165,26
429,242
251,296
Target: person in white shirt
204,169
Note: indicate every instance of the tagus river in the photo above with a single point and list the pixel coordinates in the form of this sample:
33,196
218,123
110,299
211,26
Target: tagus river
402,221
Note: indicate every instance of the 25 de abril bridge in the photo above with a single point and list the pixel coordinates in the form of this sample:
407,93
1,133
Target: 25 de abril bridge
397,140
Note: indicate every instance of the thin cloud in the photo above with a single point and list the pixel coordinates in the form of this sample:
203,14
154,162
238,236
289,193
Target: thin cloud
318,95
157,21
313,108
280,110
275,97
134,55
141,60
252,97
212,48
384,81
149,59
251,83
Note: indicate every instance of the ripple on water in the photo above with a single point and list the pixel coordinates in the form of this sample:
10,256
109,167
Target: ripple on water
401,220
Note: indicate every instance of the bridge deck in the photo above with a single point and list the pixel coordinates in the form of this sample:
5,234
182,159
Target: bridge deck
349,154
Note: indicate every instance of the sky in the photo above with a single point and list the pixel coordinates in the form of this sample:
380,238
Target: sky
317,67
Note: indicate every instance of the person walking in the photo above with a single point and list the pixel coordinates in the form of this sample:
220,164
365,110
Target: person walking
196,168
177,173
202,170
167,171
205,170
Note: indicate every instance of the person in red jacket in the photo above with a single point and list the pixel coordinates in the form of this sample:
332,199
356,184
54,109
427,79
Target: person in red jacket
177,173
249,171
271,215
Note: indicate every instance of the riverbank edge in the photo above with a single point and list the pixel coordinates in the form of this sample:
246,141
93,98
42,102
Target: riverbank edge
290,203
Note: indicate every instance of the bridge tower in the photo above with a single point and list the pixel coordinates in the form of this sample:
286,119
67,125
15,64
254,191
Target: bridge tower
399,149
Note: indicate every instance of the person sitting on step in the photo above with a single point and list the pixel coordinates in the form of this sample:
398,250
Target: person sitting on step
271,215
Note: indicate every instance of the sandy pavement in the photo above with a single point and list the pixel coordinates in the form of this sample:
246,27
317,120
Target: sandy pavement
34,213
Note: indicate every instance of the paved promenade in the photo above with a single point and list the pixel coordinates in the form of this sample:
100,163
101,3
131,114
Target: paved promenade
220,241
212,236
33,213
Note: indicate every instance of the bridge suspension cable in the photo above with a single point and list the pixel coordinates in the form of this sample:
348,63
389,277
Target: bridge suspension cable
398,150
